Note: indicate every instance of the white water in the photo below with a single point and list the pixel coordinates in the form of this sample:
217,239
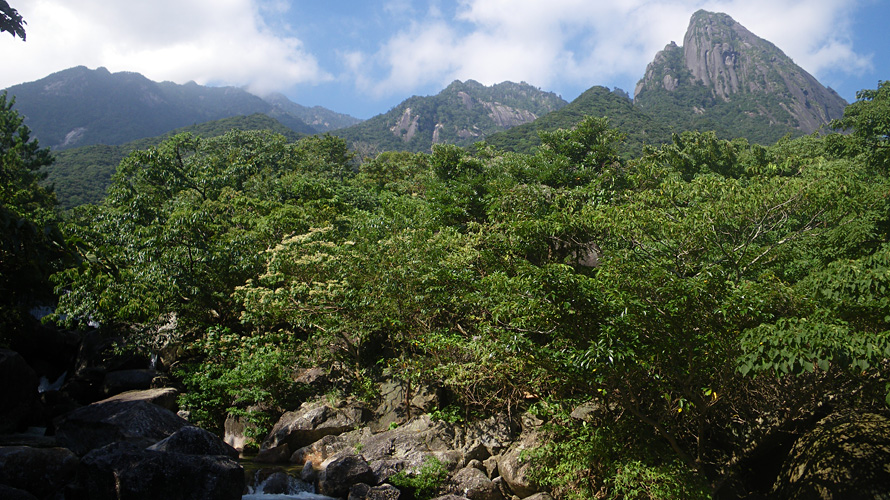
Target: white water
296,490
46,385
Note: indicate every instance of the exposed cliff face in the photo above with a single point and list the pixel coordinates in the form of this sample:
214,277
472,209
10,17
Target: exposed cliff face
722,62
463,113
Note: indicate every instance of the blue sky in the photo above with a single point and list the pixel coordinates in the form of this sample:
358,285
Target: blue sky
364,57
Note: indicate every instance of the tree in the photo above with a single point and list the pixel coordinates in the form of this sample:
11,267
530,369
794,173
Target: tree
30,244
869,120
11,21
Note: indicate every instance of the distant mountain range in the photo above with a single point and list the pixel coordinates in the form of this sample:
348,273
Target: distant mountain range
81,107
723,78
462,114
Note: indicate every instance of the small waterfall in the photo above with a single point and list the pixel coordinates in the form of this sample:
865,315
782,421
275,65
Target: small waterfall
45,385
282,486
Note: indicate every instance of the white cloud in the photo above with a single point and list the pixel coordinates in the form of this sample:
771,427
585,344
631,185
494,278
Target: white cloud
209,41
582,43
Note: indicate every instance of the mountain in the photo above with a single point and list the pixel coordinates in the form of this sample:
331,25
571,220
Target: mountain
81,175
727,79
319,118
80,106
640,127
463,113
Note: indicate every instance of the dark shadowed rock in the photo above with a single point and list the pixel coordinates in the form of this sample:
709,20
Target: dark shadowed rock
120,381
195,441
339,475
278,454
845,456
124,471
362,491
100,424
18,392
43,472
312,422
10,493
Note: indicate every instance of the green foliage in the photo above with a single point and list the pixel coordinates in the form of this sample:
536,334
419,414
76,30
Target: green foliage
425,483
82,175
239,375
581,460
11,21
868,119
30,243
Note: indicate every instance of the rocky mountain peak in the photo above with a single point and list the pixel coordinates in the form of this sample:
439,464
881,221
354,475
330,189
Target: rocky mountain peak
731,64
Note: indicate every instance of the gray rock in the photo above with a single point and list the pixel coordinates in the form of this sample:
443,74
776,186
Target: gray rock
845,456
475,485
491,467
195,441
362,491
124,471
398,406
165,397
514,470
43,472
99,424
235,432
312,422
308,474
330,447
539,496
339,475
18,392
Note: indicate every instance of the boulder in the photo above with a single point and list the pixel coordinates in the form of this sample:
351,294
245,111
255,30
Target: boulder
845,456
398,405
165,397
539,496
124,471
482,439
120,381
412,441
475,485
18,392
99,424
362,491
195,441
339,475
10,493
276,455
43,472
312,422
235,433
514,470
330,447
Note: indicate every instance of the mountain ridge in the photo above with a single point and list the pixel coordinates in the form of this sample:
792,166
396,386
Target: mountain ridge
462,113
80,107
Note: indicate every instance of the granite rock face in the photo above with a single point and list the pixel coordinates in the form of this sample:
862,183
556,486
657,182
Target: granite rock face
730,64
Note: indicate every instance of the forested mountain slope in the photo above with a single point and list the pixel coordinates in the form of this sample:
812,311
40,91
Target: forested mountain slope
463,113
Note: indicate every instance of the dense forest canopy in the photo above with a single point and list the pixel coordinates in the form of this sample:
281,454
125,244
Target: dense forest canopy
703,296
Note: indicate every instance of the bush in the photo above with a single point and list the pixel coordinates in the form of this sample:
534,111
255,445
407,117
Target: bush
425,484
